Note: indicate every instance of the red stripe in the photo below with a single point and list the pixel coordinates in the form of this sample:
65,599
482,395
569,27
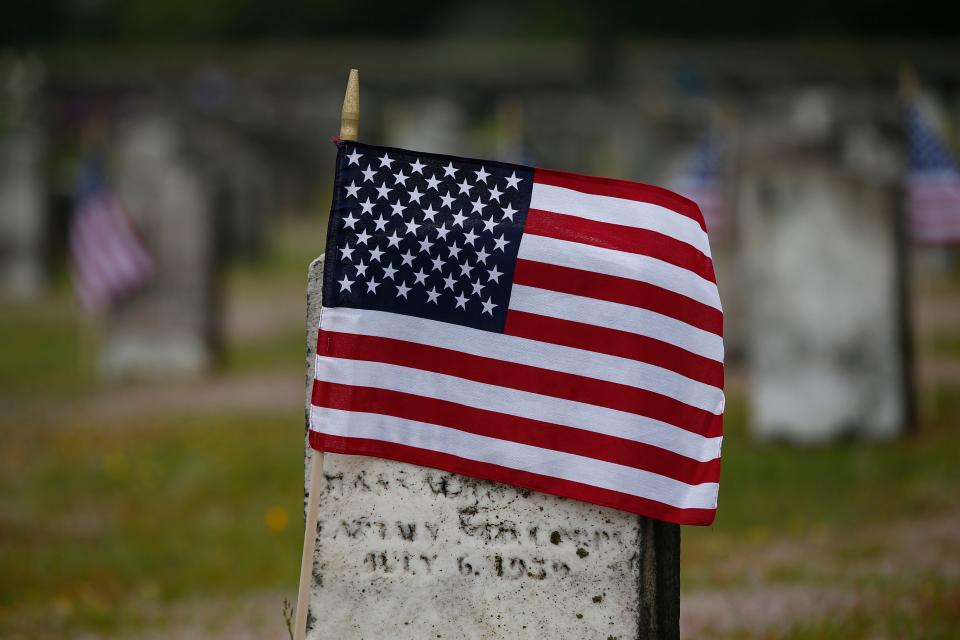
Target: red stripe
615,343
601,286
535,433
622,189
497,473
620,238
522,377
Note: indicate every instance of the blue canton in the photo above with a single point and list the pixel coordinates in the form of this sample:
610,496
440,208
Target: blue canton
425,235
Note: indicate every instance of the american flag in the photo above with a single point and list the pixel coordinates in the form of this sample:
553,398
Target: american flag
933,184
549,330
109,260
700,181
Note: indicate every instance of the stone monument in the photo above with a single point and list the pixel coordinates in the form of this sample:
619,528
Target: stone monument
411,552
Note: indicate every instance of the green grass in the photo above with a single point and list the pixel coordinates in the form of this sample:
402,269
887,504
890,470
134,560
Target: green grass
94,518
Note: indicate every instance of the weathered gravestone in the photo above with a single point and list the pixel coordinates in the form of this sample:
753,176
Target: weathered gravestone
169,327
410,552
823,271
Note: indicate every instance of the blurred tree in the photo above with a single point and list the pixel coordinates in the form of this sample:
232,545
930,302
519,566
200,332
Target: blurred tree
33,22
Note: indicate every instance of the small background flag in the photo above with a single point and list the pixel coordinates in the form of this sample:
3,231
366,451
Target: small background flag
933,183
700,181
553,331
109,260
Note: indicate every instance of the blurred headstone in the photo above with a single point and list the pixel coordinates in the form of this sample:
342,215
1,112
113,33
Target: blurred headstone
819,236
23,192
411,552
169,327
430,124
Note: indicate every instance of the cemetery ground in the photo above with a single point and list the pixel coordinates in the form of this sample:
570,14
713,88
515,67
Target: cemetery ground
173,510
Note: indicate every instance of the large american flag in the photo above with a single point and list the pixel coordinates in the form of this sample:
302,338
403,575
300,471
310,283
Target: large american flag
553,331
933,183
108,258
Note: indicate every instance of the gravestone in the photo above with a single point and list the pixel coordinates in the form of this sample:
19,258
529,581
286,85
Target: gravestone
168,328
826,356
411,552
23,210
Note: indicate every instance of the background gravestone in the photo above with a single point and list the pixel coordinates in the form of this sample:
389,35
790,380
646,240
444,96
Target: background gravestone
169,327
826,355
23,211
411,552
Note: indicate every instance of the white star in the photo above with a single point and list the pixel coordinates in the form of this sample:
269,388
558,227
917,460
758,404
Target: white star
420,277
428,213
438,263
368,174
470,236
372,286
442,232
495,193
381,223
449,281
407,258
449,171
402,290
349,221
354,158
462,301
465,187
482,175
412,226
513,180
375,254
367,207
488,305
394,240
477,287
362,237
458,218
501,243
399,179
494,274
345,284
447,200
433,183
352,189
415,195
347,253
389,272
417,167
466,268
508,212
455,250
482,255
477,206
425,245
383,190
489,224
362,268
387,161
432,295
397,209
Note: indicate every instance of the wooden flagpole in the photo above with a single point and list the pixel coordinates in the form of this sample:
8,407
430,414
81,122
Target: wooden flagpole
349,126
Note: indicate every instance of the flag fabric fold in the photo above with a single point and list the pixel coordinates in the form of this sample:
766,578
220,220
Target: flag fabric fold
549,330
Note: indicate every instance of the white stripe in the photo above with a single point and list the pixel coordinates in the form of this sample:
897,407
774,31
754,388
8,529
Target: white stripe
614,315
556,464
635,266
544,355
521,404
641,215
